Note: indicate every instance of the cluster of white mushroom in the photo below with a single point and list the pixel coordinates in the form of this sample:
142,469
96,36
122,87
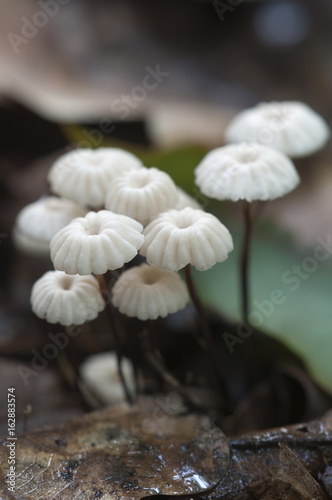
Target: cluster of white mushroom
110,207
256,165
135,209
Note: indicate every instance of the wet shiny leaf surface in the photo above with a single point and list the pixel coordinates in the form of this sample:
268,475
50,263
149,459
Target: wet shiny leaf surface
121,453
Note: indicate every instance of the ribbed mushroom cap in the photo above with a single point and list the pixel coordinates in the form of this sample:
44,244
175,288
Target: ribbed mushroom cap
142,194
246,171
188,236
95,243
68,300
147,292
38,222
84,175
291,127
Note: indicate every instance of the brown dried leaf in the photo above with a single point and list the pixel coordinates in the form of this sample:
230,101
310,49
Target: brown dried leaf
298,476
121,453
259,471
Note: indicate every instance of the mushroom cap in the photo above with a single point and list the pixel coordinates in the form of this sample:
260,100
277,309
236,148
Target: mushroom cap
188,236
95,243
38,222
83,175
68,300
291,127
100,373
142,194
246,171
147,292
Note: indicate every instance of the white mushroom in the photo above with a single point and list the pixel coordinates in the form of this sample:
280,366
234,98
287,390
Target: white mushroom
147,292
68,300
291,127
249,172
142,194
101,374
95,243
38,222
188,236
246,171
83,175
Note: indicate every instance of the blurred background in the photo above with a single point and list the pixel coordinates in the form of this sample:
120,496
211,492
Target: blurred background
162,79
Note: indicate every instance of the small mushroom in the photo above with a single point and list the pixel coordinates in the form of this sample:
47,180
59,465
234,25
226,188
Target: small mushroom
177,238
83,175
95,243
142,194
100,372
291,127
249,172
38,222
147,292
246,171
68,300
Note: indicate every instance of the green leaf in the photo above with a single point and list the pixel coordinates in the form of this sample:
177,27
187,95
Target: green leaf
301,317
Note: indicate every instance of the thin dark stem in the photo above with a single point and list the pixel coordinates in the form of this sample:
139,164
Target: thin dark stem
250,356
117,343
245,262
205,329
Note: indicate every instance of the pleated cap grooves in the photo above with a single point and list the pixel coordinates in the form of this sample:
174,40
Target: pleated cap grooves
142,194
246,171
95,243
147,292
84,175
189,236
68,300
290,126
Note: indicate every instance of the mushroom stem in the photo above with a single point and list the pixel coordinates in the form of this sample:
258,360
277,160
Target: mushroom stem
245,261
117,343
206,330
